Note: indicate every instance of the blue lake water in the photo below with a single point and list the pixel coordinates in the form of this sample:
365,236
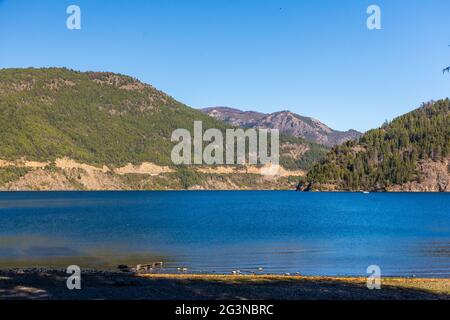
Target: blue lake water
280,231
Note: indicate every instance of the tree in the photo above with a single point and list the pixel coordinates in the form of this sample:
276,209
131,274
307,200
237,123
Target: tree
446,69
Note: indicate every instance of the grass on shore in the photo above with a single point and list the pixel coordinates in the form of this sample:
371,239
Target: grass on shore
431,285
106,285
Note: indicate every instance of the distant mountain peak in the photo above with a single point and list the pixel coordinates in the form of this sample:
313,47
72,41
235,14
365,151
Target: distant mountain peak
286,121
235,117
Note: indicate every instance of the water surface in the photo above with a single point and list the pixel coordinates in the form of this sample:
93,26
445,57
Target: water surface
280,231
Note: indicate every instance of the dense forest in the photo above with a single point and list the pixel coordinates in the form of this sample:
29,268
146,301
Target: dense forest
99,118
389,155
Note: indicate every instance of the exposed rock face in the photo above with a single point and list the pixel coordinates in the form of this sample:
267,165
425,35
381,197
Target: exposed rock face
285,121
68,174
307,128
41,180
434,176
144,168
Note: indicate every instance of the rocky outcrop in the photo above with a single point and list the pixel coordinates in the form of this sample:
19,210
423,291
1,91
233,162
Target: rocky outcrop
433,176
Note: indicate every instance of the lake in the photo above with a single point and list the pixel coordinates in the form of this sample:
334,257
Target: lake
221,231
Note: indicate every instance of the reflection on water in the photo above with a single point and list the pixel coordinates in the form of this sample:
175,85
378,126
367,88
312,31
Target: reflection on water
314,234
25,251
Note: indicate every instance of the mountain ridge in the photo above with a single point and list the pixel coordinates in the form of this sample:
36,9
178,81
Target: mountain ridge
286,121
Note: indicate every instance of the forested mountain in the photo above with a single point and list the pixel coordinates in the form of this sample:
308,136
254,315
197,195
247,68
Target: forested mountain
410,153
62,129
287,122
93,117
102,119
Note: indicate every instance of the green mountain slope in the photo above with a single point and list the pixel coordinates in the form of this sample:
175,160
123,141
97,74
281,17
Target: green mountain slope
100,118
97,118
391,155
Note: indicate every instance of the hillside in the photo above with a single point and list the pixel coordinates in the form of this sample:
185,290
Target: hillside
97,118
409,154
63,129
287,122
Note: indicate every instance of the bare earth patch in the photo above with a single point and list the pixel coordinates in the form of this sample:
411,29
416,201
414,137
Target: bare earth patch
249,169
144,168
41,180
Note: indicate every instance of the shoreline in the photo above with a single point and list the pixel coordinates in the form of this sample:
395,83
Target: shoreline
48,284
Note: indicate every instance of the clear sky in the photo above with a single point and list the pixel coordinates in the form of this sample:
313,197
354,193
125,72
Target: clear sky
316,58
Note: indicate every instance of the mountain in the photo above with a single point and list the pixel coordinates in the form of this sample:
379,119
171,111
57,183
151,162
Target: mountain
64,129
235,117
287,122
411,153
93,117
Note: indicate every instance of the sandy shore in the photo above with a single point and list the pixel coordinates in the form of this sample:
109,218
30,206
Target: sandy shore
51,284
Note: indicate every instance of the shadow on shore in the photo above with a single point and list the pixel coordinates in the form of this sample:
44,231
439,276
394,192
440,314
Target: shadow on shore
45,285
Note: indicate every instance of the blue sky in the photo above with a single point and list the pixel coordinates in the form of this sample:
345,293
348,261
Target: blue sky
316,58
